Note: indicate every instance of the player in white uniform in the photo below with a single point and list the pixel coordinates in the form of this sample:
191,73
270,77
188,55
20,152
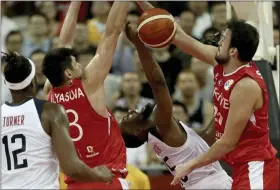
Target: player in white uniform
173,142
34,134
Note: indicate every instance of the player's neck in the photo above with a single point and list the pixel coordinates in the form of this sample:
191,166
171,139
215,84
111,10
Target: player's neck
232,66
19,97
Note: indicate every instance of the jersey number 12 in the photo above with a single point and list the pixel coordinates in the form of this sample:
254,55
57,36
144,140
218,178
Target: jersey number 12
16,137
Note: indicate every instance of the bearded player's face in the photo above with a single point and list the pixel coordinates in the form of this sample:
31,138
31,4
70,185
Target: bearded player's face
223,55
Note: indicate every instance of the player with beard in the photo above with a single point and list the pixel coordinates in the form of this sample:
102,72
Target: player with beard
173,142
240,108
93,129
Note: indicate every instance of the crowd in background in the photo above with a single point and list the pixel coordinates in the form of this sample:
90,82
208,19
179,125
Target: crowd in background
32,29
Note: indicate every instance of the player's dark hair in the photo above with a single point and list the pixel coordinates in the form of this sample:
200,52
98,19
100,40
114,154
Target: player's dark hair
17,68
177,103
55,63
132,141
37,51
245,38
14,32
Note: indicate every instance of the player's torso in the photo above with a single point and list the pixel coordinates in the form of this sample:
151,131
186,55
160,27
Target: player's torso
28,159
97,139
257,130
193,147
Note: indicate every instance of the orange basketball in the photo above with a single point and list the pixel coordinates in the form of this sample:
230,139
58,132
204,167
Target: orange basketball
156,28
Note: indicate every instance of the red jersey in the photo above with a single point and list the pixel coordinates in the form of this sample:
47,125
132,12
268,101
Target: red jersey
254,143
98,140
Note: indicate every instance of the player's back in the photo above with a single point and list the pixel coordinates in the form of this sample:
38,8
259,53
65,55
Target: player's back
193,147
254,143
97,139
28,159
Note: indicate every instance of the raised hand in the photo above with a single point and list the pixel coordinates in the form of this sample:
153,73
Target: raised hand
131,33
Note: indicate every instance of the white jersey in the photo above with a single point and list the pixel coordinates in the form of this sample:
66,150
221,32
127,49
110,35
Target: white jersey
173,156
28,159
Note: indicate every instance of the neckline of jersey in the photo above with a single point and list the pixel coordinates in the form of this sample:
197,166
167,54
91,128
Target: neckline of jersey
246,65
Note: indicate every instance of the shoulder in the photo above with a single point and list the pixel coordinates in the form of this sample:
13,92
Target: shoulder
246,86
53,109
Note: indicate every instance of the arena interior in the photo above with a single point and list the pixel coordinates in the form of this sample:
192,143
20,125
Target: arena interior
31,28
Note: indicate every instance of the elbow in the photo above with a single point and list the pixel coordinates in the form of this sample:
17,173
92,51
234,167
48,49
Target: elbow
70,170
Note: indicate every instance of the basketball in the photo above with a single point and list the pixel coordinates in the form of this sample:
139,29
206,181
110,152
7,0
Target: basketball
156,28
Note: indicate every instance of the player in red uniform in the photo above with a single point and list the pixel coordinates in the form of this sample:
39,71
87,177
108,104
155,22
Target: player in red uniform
240,106
93,129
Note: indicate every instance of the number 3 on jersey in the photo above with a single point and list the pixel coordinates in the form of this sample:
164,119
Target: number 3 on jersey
218,116
74,123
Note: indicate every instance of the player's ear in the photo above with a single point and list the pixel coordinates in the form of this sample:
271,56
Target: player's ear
233,51
68,74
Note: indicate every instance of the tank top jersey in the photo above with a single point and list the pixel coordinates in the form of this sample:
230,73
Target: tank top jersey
28,159
254,143
193,147
98,140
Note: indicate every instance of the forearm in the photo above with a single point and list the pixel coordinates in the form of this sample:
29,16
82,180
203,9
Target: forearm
151,68
68,30
215,153
80,171
117,17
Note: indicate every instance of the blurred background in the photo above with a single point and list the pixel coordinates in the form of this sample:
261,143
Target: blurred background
32,28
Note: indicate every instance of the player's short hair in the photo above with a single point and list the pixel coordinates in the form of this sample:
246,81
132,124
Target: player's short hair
245,38
17,68
56,62
177,103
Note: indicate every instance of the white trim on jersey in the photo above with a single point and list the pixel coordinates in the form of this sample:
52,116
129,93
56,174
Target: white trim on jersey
256,169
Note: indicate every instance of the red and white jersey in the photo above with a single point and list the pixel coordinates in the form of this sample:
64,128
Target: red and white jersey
254,143
98,140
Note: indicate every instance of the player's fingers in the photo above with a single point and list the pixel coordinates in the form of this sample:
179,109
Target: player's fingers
175,181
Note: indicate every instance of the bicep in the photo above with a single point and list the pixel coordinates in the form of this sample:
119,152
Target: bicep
242,100
61,139
163,101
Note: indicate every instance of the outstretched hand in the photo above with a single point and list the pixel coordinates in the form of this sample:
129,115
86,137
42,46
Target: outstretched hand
131,33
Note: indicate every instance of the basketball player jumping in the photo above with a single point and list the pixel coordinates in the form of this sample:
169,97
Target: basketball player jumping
173,142
240,107
93,129
31,129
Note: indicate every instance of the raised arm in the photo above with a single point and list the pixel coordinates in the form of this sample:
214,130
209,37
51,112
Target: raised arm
68,29
156,80
70,163
188,44
99,67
